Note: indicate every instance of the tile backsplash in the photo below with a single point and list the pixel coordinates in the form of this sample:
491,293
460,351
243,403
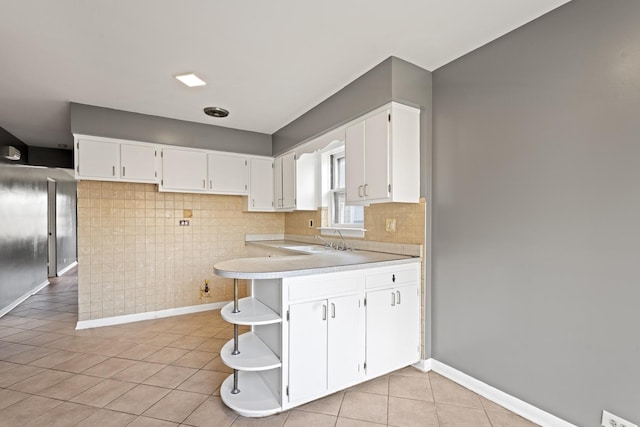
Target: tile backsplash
134,257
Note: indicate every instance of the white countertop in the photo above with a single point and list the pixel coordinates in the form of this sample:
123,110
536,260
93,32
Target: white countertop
305,264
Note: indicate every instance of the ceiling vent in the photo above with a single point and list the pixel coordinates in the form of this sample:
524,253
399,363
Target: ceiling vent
10,153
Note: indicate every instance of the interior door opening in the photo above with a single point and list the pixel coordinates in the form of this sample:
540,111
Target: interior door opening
52,263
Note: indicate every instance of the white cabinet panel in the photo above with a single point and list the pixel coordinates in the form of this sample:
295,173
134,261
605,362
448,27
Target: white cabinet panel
307,350
138,162
228,174
184,170
285,182
261,179
345,352
382,151
393,339
307,182
97,159
376,156
381,329
325,346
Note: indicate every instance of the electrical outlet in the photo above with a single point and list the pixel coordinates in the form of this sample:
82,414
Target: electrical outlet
610,420
390,225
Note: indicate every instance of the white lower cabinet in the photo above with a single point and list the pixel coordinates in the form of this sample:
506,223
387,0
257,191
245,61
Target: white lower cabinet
325,342
314,335
392,329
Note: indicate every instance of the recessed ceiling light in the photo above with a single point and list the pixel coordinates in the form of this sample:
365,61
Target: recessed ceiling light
190,80
216,112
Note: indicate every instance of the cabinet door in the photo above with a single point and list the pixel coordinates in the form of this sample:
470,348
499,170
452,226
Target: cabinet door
98,159
227,174
354,158
381,332
407,334
138,162
307,350
307,182
376,156
277,183
184,170
289,181
345,346
261,185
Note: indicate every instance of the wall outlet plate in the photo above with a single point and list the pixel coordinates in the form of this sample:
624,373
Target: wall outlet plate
390,224
610,420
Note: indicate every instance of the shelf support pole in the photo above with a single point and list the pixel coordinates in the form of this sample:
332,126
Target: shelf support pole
235,296
235,351
235,389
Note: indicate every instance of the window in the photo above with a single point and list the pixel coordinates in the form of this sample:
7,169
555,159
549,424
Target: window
342,215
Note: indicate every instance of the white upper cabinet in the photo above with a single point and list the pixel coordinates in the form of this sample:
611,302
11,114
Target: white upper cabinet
260,197
184,170
307,181
284,178
228,174
115,160
382,153
138,162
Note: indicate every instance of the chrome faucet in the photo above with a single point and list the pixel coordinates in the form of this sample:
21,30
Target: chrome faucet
325,242
344,246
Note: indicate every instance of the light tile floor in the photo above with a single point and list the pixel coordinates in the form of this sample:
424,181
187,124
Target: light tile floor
167,372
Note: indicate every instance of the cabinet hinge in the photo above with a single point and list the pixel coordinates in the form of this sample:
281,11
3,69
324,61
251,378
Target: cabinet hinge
365,304
162,182
365,366
155,153
288,316
78,168
273,165
287,390
162,154
245,186
389,188
78,145
156,174
389,117
295,157
245,163
271,204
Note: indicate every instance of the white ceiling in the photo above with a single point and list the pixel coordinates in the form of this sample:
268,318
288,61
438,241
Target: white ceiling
266,61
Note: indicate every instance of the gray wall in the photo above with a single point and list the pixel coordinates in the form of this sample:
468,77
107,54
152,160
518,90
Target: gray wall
99,121
364,94
66,219
7,139
392,80
23,228
537,209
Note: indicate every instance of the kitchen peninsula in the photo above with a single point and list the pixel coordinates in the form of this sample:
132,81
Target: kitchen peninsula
321,321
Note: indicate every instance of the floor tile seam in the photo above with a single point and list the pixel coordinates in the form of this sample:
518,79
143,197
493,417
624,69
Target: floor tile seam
457,405
413,399
185,418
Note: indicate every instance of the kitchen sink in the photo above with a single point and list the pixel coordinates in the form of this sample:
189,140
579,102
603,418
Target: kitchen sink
309,249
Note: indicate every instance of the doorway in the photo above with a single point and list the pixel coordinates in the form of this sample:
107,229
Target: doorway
52,262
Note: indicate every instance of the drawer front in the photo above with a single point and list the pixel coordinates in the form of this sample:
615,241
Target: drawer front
324,285
392,276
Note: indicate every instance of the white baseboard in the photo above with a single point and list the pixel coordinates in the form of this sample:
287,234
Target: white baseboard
149,315
525,410
23,298
423,365
67,268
